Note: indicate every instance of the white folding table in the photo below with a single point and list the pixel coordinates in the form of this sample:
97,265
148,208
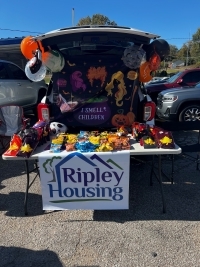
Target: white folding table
135,150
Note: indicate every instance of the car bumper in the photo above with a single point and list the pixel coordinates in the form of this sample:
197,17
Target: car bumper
166,115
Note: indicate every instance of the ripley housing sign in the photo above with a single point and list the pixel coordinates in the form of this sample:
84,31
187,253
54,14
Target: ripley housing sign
85,180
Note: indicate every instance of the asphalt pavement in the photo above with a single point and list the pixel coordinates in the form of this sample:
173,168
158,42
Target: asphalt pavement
141,236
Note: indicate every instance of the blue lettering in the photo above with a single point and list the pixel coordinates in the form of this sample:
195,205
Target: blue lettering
88,190
117,191
71,192
105,175
76,192
118,178
103,190
86,180
68,175
51,190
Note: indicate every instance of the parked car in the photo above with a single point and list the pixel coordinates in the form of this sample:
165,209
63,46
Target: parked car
182,79
17,89
95,88
180,104
160,80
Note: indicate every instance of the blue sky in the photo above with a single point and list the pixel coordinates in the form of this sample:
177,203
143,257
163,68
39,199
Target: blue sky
174,20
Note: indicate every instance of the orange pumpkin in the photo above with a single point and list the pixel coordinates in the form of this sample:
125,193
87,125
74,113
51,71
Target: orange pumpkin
28,47
119,120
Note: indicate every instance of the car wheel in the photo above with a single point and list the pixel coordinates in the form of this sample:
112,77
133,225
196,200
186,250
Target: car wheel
190,113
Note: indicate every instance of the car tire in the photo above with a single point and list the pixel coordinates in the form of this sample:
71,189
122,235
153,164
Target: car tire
190,113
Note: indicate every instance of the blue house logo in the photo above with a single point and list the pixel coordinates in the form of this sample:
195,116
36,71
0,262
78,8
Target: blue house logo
101,181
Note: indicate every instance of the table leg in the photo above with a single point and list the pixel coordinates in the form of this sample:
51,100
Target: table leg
152,170
160,182
27,187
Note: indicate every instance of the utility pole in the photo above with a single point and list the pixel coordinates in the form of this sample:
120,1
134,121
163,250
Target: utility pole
72,16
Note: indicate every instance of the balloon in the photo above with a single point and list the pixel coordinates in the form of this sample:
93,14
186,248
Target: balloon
29,46
144,72
34,68
53,60
154,62
160,46
133,57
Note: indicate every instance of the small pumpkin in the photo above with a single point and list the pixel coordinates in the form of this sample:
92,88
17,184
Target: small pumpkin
120,120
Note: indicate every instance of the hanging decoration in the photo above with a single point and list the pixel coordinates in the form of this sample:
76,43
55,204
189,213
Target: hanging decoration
133,57
29,46
145,72
53,60
160,46
34,69
154,62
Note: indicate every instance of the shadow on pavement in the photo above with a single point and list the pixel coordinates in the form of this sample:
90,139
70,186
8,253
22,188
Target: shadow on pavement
13,204
16,256
145,203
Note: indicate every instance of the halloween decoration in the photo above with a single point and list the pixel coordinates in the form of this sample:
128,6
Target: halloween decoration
15,145
120,120
57,128
132,75
160,46
53,60
118,81
97,74
144,72
133,57
154,62
30,141
34,68
29,46
77,82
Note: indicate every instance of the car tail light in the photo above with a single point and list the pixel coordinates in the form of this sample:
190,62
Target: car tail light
43,112
149,111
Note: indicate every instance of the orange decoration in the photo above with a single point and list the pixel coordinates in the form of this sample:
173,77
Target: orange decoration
119,120
154,61
29,46
144,73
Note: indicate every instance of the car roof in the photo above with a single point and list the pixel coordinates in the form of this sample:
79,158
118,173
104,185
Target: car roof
97,28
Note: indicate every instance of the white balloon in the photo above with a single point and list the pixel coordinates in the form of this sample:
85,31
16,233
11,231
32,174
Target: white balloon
37,76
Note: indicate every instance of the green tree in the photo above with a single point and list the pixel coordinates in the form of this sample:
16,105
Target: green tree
96,19
195,46
48,167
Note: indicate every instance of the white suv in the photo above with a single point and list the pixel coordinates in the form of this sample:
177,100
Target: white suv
17,89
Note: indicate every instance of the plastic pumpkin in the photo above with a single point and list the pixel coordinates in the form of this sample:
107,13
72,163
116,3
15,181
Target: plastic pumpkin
53,60
144,72
29,46
154,62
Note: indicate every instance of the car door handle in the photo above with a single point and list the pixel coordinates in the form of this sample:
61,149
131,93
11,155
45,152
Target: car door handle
19,84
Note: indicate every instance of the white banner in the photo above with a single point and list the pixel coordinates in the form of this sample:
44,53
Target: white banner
85,180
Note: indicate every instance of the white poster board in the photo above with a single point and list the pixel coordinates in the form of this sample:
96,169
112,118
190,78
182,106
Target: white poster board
98,181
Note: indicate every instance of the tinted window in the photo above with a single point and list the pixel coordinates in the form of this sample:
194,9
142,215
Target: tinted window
3,71
17,73
187,78
196,76
192,77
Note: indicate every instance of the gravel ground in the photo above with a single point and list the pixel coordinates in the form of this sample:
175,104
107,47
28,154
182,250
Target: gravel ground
140,236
